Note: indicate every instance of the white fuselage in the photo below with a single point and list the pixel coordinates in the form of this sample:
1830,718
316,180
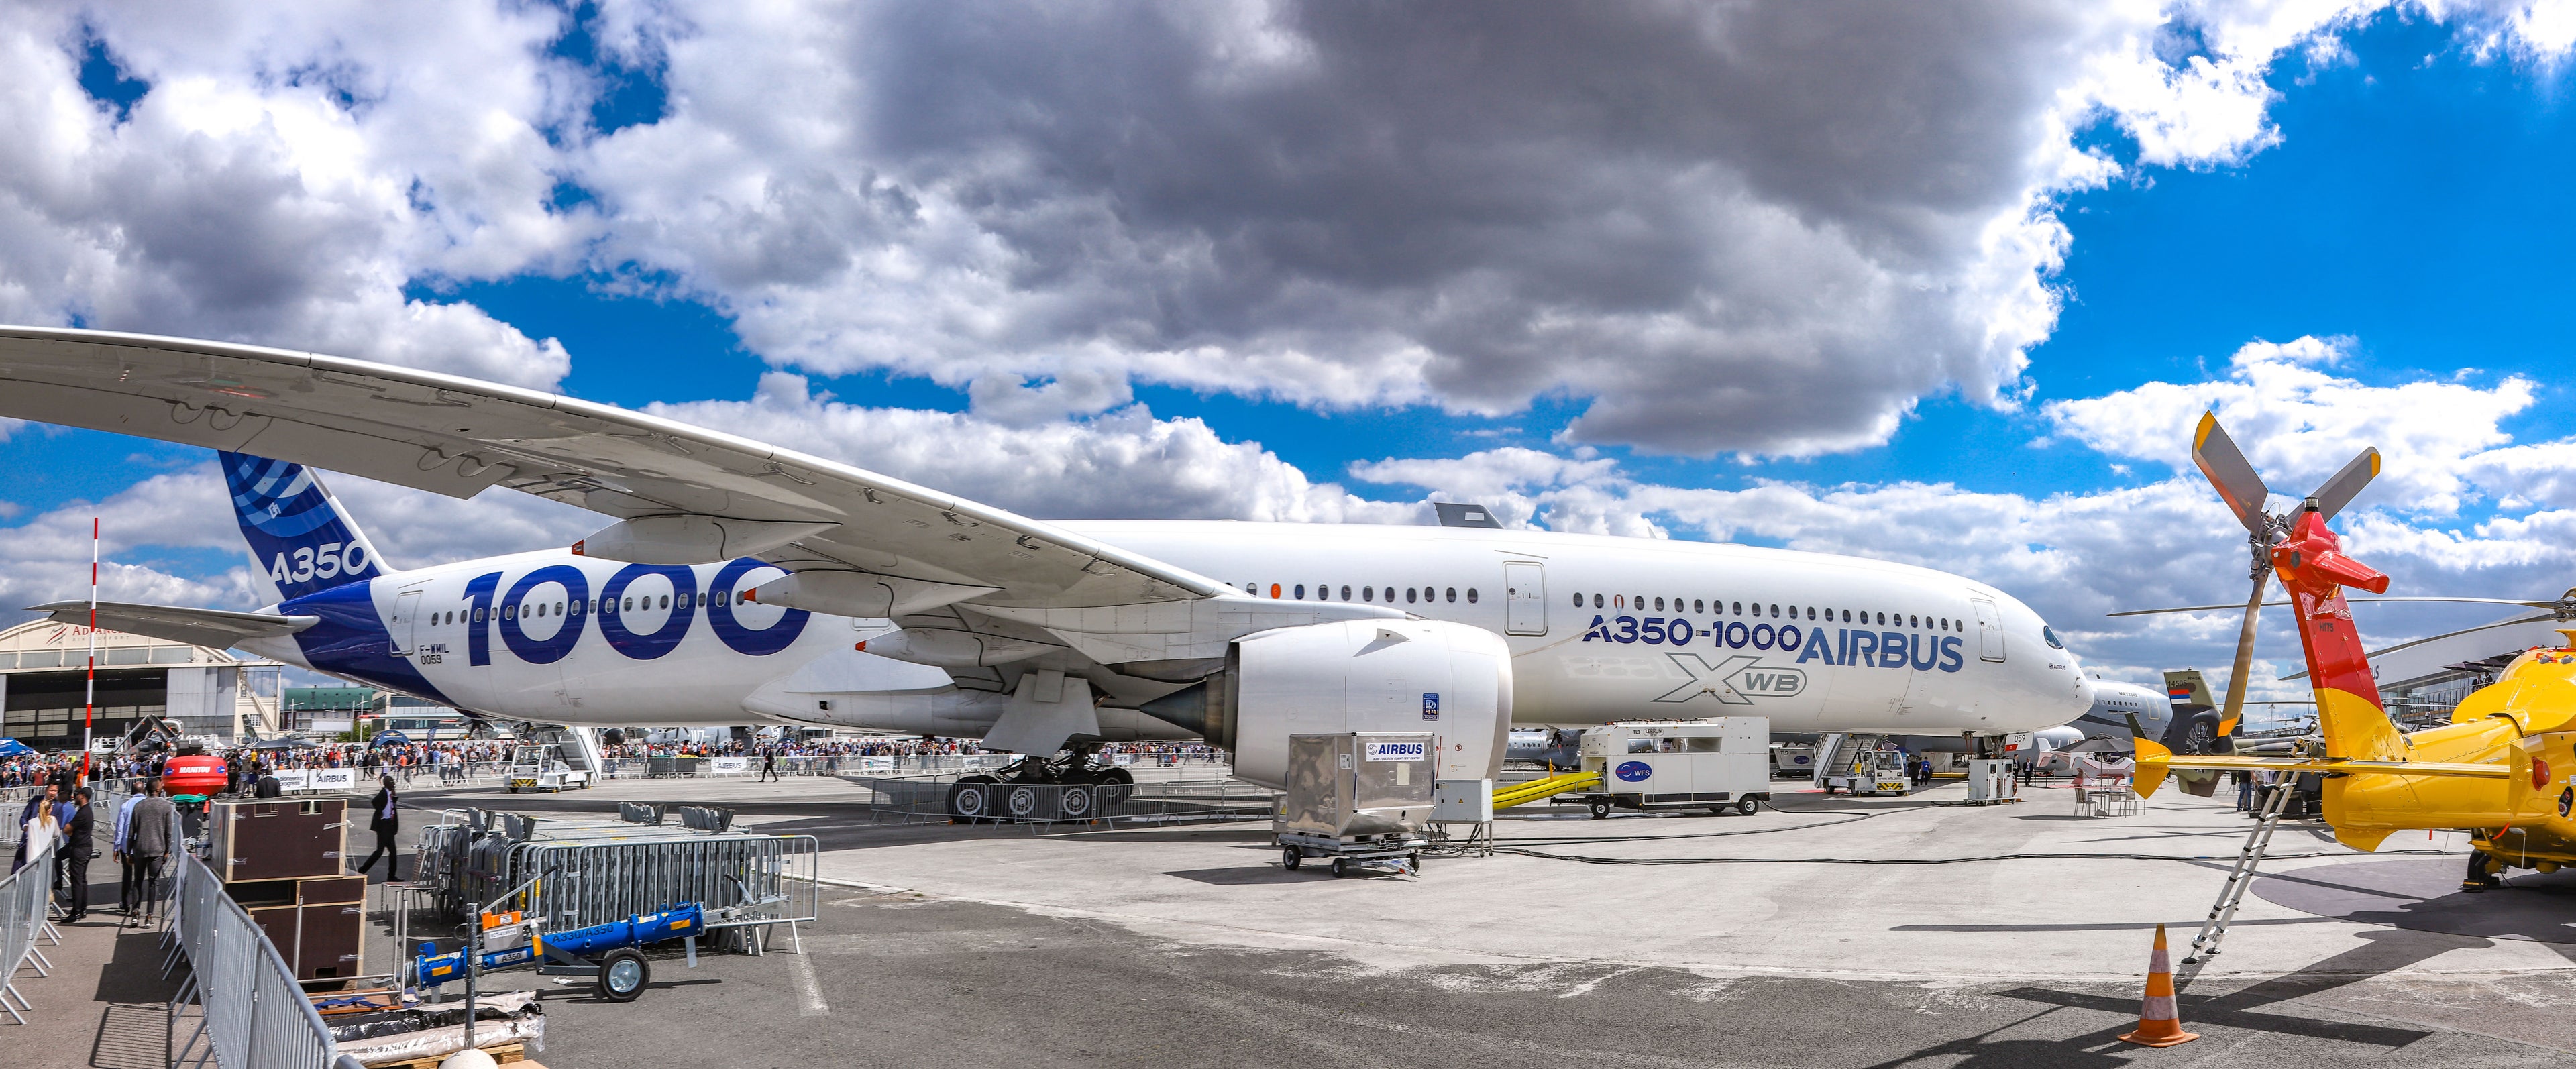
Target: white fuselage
1599,628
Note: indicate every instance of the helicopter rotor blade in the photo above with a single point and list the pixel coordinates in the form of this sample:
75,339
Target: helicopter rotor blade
2338,491
2229,471
2194,608
2439,637
2231,714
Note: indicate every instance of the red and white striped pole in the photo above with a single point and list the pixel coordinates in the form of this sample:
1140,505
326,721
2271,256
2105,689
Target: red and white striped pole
89,696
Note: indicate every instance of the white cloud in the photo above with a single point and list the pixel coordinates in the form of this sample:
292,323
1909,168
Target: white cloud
1767,229
287,174
1123,464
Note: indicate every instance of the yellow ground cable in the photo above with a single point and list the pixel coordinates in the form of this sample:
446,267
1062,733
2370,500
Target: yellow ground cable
1546,788
1537,786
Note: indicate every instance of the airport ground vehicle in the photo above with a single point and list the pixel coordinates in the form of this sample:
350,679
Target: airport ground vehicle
541,767
1720,763
1871,772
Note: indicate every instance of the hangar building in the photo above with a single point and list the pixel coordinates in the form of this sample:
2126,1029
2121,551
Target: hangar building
212,693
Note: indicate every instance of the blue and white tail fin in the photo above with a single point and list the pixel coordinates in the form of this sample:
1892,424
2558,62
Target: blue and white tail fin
301,541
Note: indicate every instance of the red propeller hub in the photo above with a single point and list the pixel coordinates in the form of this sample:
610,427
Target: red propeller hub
2313,557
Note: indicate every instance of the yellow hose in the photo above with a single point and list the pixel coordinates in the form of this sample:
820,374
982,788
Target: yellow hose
1535,790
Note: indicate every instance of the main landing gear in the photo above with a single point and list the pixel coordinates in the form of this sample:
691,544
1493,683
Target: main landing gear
972,798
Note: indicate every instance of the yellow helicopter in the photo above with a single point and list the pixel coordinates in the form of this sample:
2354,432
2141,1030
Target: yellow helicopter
2504,769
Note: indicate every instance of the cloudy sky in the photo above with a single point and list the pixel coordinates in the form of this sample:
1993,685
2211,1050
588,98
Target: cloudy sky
1940,283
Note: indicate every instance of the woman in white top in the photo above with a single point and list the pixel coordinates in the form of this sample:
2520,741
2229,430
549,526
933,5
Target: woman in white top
42,830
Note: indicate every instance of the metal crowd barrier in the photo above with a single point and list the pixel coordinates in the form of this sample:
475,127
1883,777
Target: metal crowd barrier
594,873
911,799
24,896
256,1017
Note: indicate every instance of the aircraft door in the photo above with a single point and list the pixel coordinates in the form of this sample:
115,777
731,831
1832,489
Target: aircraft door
1990,629
406,620
1524,599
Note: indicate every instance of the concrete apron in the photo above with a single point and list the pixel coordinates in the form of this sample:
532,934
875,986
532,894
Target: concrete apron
2058,919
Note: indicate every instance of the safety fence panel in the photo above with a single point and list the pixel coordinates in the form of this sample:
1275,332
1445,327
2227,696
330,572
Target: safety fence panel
23,898
255,1013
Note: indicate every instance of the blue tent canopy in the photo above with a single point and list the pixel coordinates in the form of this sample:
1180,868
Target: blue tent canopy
15,748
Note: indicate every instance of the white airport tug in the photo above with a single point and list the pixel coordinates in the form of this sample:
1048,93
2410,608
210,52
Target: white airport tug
1716,764
543,768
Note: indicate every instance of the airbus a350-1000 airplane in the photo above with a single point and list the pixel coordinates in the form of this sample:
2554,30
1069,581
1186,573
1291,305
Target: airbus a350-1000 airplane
742,581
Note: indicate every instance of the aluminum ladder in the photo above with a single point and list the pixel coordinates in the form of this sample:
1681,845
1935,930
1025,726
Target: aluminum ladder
2257,843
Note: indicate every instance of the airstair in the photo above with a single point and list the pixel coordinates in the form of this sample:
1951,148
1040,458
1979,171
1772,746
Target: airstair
2257,843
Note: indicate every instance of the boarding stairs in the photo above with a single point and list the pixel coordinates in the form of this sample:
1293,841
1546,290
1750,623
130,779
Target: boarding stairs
2257,843
1839,755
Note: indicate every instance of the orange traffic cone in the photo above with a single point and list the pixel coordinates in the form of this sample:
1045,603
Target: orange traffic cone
2159,1023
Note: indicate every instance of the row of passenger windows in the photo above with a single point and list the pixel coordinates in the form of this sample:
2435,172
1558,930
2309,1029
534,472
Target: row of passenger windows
1794,612
540,609
1324,592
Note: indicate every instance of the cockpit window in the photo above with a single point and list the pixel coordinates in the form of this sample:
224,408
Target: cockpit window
2051,635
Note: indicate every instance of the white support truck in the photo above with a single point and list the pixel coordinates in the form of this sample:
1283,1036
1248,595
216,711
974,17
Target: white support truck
1716,764
536,767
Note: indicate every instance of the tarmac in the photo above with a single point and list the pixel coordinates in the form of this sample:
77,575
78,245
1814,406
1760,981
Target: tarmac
2014,935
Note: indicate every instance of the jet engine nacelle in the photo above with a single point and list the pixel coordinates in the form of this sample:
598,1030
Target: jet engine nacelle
1449,680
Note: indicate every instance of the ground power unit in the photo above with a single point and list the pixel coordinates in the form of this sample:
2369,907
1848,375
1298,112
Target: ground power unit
1715,764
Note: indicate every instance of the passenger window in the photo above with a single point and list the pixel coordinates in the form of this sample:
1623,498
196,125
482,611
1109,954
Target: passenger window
1300,591
1471,595
1909,622
1659,604
1578,601
1274,591
1409,592
1596,601
1368,593
1775,611
1452,595
1346,593
1699,606
666,601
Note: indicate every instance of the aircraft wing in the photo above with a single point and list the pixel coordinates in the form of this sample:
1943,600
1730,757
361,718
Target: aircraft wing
2152,767
202,627
458,436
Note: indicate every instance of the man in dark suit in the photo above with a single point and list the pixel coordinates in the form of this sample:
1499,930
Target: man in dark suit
82,830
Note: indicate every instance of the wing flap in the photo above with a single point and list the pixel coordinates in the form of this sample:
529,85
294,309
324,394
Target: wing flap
217,628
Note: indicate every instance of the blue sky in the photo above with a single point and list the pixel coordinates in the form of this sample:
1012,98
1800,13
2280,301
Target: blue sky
2383,183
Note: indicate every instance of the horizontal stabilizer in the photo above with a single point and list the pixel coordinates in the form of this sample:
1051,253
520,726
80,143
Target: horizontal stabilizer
2152,767
217,628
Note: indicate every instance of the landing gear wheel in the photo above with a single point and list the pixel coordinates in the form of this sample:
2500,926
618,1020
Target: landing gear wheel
1290,857
1748,806
1600,808
1341,868
1116,784
623,974
2480,878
